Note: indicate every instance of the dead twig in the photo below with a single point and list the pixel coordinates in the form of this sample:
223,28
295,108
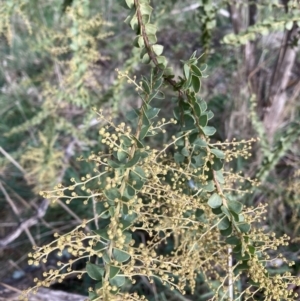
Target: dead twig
41,211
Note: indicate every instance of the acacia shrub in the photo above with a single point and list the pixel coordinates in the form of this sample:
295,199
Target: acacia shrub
188,195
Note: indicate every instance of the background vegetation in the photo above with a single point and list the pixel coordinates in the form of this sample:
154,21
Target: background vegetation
58,60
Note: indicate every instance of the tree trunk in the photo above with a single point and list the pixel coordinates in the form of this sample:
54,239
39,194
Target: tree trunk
281,75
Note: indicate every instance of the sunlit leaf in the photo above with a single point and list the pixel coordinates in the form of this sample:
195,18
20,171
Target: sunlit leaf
158,49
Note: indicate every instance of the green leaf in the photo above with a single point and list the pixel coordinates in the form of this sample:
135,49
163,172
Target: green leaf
235,216
120,255
131,115
126,140
226,211
197,161
193,54
111,210
177,113
145,86
158,73
197,110
160,95
93,296
203,105
241,218
251,250
196,70
242,266
128,218
209,187
144,131
216,211
237,248
203,120
145,8
112,194
193,136
106,258
187,83
189,122
168,72
200,216
158,49
113,271
134,160
200,142
98,285
127,223
150,29
217,164
179,142
196,83
186,70
102,233
143,52
124,208
178,158
227,231
152,95
101,210
138,42
118,281
128,236
158,83
152,39
218,153
233,240
210,115
140,172
162,61
144,155
215,201
235,206
139,144
220,177
114,164
129,193
134,24
130,3
242,256
151,112
136,181
100,246
96,272
145,120
185,152
146,59
209,130
224,223
243,227
122,156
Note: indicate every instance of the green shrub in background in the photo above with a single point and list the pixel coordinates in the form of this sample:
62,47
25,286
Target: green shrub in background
180,191
57,86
